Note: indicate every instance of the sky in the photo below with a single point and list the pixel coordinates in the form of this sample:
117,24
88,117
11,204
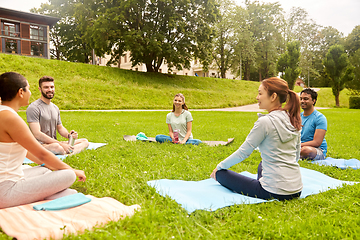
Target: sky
341,14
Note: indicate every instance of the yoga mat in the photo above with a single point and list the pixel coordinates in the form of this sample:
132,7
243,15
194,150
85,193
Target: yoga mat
91,146
210,195
340,163
152,139
133,138
25,223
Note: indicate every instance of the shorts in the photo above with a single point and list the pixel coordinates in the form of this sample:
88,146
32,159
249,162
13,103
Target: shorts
319,154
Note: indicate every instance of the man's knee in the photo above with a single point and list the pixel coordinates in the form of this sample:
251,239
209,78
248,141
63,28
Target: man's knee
308,152
55,148
82,141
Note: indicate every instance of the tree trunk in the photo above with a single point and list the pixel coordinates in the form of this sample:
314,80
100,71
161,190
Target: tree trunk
247,71
337,100
223,73
260,77
149,67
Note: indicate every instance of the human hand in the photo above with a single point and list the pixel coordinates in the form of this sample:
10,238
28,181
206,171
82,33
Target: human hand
74,134
182,142
80,174
67,147
213,174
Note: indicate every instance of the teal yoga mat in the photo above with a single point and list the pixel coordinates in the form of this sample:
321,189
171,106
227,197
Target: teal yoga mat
62,203
210,195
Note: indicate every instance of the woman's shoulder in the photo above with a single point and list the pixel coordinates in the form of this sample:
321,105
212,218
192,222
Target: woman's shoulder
263,118
186,112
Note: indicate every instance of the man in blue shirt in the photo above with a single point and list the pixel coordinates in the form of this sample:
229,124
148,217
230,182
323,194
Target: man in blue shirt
314,127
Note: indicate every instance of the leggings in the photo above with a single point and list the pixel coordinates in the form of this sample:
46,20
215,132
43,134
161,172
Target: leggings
39,183
249,186
165,138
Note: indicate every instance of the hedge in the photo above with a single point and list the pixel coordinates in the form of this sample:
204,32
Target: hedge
354,102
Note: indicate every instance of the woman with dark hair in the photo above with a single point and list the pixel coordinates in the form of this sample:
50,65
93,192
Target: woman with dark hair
277,134
18,186
179,122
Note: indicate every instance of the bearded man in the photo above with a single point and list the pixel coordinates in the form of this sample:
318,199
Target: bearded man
44,120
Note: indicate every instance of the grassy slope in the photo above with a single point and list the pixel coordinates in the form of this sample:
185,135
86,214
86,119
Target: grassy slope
121,170
83,86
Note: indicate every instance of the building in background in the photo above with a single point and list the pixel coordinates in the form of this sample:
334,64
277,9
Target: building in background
196,68
25,33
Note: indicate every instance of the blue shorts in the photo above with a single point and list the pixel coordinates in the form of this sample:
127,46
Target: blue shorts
319,154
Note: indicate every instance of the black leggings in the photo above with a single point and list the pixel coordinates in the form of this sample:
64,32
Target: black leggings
249,186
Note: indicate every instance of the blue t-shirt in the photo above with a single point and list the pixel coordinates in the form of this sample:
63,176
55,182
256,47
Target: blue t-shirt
316,120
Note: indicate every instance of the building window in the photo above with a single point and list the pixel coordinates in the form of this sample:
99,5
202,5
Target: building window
37,32
125,58
10,30
11,46
37,49
186,74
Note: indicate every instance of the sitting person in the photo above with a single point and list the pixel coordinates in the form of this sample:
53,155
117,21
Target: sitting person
18,186
44,119
179,119
277,135
314,126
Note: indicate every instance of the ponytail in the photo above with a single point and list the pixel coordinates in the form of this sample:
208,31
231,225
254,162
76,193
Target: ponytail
292,106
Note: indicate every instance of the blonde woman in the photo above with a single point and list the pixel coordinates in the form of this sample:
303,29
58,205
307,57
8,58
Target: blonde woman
179,122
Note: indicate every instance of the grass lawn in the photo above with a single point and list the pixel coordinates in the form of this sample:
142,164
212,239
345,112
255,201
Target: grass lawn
121,170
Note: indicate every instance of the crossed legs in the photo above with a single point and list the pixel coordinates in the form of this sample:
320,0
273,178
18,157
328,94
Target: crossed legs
57,149
39,183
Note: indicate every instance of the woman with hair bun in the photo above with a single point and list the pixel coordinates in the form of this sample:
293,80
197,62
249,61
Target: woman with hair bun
179,122
18,186
277,134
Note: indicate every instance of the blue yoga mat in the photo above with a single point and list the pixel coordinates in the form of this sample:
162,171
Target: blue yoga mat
62,157
210,195
62,203
340,163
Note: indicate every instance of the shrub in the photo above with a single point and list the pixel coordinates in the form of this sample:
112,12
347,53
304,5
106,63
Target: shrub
354,102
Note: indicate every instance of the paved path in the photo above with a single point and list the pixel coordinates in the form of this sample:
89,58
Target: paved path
245,108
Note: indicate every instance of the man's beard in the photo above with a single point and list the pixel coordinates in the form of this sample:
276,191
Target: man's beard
45,96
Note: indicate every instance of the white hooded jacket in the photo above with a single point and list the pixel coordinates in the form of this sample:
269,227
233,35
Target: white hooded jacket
279,144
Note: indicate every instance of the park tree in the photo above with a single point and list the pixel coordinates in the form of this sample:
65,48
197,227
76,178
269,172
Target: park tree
338,69
175,31
243,44
223,47
300,27
352,42
70,37
264,21
354,84
288,63
321,43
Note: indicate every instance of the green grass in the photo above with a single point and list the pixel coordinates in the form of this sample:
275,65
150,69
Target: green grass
84,86
121,170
